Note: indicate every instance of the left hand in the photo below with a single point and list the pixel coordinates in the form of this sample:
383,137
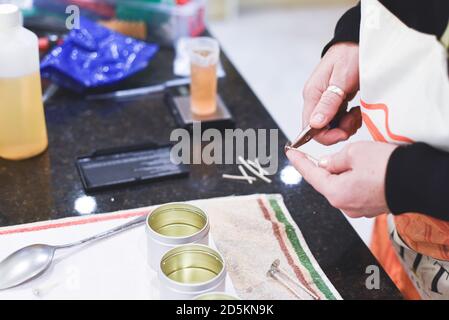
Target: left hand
352,180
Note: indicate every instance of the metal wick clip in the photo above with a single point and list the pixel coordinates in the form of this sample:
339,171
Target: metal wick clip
277,273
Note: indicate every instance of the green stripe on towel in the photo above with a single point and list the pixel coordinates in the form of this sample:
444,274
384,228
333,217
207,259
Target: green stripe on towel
302,256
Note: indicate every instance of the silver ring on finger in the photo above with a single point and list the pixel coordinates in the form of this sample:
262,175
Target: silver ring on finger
337,90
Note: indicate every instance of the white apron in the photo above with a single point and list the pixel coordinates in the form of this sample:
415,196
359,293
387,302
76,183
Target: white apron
404,91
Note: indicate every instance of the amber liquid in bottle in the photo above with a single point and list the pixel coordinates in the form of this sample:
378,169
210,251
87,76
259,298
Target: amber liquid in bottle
23,132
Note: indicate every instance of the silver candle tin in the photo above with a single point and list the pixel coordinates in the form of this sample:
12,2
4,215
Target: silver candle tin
188,271
172,225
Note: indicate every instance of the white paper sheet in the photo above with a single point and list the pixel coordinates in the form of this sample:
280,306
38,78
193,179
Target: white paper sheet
115,268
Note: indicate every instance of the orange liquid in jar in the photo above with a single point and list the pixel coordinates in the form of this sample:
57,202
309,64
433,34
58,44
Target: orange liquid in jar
203,87
23,132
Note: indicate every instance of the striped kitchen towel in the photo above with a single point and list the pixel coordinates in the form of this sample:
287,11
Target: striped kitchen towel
253,231
249,231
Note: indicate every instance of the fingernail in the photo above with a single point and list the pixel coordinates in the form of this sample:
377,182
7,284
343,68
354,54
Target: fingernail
318,118
324,162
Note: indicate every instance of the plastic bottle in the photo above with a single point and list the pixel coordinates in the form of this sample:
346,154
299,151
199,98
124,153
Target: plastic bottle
23,132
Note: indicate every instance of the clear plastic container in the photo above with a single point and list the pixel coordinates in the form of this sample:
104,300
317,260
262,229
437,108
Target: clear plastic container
23,132
166,21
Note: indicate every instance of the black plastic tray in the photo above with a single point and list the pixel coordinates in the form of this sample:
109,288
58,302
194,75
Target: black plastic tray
117,167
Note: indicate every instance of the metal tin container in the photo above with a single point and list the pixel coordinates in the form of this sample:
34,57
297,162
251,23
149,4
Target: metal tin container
172,225
191,270
221,296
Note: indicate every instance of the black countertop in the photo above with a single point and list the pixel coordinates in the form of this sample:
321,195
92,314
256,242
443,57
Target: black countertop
48,186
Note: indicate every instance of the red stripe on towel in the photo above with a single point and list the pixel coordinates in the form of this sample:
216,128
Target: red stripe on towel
90,219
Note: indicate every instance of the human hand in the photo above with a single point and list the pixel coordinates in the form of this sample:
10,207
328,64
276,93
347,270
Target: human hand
352,180
339,67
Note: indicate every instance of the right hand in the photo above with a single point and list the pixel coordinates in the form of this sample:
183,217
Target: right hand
339,67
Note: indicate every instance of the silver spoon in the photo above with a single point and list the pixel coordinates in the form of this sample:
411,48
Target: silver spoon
32,261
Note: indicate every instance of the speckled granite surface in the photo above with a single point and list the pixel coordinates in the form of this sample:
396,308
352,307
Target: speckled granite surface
48,186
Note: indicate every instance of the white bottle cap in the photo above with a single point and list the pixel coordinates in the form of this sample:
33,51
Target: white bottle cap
10,16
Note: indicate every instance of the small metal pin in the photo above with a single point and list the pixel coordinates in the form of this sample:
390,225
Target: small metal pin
272,273
275,269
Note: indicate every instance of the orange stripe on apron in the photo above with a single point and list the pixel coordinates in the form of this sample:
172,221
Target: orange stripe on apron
384,108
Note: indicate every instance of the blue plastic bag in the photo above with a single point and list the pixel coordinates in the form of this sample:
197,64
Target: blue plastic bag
94,56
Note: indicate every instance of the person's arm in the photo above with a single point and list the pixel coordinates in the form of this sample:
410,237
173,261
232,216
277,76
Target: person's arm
428,16
347,28
417,180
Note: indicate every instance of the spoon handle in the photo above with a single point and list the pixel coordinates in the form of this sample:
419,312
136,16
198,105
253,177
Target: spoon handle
106,234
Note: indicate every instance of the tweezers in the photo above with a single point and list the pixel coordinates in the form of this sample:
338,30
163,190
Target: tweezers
307,134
